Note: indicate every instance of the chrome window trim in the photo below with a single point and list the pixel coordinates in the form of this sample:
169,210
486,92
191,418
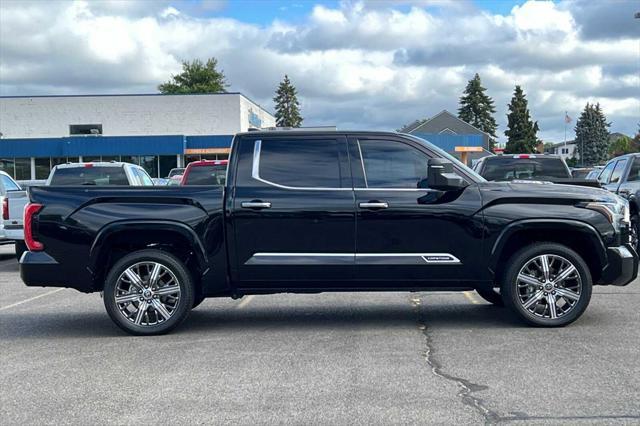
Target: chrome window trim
364,172
255,174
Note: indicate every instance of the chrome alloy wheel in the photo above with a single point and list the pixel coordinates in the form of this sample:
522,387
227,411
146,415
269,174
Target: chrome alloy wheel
549,286
147,293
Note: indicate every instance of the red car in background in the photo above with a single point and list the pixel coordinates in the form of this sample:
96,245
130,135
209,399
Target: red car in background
205,172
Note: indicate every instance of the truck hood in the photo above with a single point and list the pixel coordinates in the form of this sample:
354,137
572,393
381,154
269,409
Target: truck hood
542,192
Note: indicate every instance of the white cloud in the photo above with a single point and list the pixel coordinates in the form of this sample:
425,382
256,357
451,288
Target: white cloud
359,65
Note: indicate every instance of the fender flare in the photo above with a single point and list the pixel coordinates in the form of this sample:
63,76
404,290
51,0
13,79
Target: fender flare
547,224
99,243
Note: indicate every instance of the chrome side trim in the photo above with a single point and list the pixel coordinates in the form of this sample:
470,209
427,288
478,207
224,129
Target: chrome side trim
353,259
255,174
301,259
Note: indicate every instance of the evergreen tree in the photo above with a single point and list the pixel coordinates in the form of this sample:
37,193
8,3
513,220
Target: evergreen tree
476,108
592,135
521,130
287,106
196,77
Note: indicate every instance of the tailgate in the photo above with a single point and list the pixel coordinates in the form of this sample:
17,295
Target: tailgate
17,201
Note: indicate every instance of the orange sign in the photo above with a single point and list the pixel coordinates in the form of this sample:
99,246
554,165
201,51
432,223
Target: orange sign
468,149
207,151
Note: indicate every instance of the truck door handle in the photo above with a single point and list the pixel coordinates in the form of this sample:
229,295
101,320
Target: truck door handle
374,205
255,205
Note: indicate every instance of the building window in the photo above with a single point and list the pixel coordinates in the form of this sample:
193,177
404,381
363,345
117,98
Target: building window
23,169
7,165
43,166
85,129
167,162
131,159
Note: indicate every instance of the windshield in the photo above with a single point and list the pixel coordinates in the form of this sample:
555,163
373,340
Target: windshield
207,175
447,156
509,168
98,176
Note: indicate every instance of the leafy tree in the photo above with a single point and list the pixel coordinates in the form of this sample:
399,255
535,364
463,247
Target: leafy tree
287,106
592,135
521,130
476,108
620,146
572,162
196,77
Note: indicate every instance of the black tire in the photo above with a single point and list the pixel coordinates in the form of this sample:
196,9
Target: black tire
510,290
491,295
181,308
197,301
21,247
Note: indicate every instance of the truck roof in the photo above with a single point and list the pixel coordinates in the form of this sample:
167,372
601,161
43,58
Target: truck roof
285,130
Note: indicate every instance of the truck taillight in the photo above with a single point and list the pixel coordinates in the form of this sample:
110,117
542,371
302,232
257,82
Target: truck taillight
5,208
30,210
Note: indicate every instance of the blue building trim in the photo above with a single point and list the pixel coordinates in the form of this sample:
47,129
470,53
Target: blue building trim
208,141
75,146
449,142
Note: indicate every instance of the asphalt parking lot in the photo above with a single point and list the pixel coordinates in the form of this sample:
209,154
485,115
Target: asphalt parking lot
359,358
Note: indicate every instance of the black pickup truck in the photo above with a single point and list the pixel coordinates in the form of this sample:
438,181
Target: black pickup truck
308,212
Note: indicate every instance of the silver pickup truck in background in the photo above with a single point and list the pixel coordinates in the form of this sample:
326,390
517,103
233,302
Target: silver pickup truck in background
12,199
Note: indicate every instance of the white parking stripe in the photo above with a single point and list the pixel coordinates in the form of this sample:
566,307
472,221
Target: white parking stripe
31,299
245,301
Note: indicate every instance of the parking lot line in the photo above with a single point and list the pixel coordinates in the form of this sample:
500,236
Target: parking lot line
244,302
31,299
470,297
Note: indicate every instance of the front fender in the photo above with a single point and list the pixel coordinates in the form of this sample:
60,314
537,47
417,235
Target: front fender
548,224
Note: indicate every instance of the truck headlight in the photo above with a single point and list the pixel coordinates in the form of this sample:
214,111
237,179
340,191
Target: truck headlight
617,213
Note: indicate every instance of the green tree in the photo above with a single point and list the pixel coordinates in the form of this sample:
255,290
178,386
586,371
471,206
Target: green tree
476,108
592,136
287,106
196,77
620,146
521,130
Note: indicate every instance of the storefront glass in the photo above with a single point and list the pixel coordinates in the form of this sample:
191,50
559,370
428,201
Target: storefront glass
43,166
167,162
7,165
150,164
23,169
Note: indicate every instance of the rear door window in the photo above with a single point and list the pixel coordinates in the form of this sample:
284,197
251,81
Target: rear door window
214,174
299,163
89,176
634,173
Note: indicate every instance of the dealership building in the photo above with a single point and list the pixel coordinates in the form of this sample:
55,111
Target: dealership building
158,132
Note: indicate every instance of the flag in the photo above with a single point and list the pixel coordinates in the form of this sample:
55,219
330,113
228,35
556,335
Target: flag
567,119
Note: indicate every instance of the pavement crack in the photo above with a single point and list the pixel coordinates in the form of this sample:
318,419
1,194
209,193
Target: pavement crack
466,387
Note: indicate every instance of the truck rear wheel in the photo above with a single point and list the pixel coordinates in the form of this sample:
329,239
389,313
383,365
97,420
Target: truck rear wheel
547,285
148,292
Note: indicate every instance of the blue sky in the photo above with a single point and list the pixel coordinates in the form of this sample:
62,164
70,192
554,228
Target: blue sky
263,12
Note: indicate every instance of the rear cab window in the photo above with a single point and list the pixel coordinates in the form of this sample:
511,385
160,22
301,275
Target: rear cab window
89,176
8,183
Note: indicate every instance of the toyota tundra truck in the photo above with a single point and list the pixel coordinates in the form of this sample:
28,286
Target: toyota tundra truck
310,212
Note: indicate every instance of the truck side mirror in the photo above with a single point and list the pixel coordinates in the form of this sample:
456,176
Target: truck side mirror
440,175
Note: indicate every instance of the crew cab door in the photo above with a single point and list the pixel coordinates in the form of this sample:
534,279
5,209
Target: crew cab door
292,212
409,236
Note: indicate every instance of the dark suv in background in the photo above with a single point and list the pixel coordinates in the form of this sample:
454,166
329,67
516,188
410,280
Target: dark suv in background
621,176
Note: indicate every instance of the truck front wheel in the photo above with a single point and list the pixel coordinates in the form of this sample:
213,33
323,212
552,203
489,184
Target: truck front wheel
148,292
547,285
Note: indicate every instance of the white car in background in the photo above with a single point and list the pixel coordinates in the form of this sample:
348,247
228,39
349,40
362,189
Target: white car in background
99,174
12,199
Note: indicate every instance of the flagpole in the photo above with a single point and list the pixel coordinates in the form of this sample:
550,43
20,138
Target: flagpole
565,128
